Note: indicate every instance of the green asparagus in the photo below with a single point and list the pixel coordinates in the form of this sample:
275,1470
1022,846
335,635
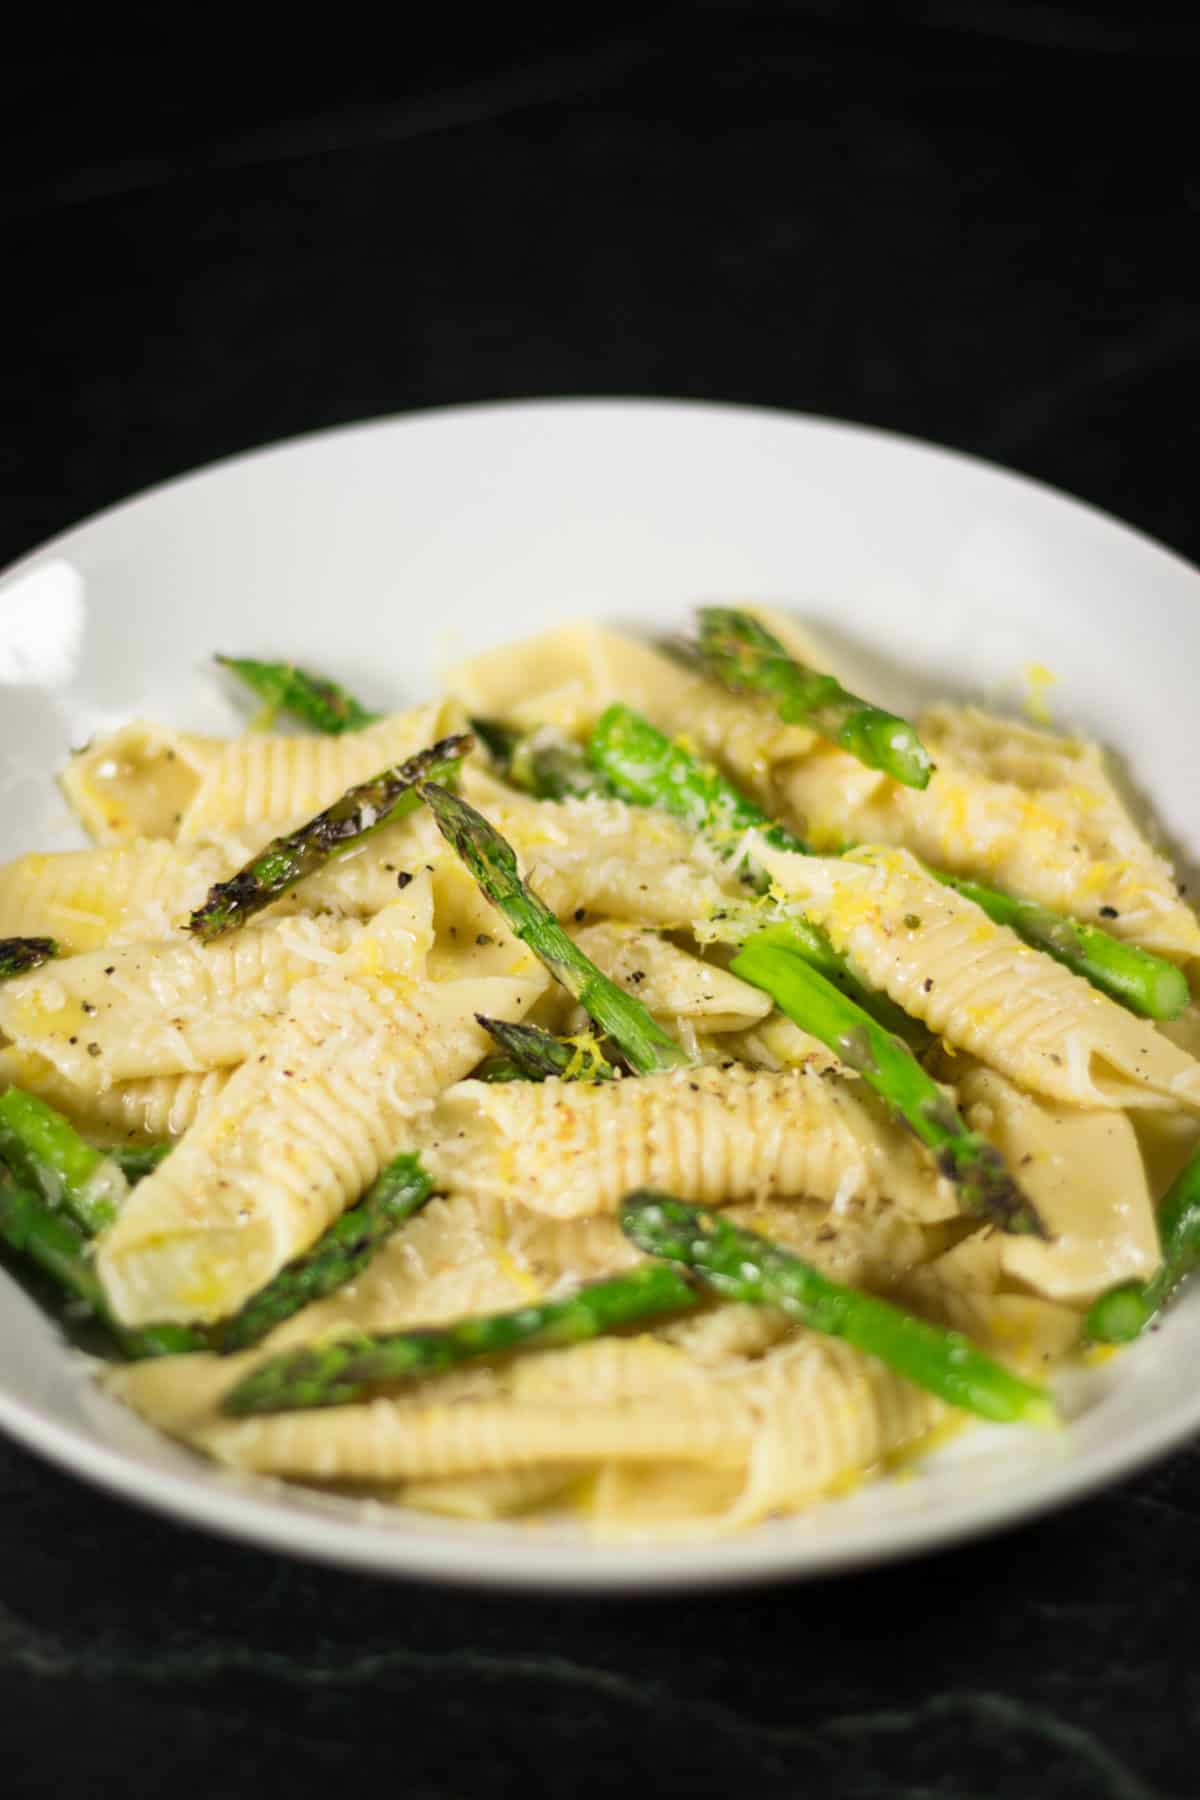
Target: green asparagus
985,1187
55,1244
341,1253
56,1174
1146,984
527,1053
744,655
341,827
643,1043
136,1161
499,740
313,699
46,1153
1124,1312
643,767
740,1265
347,1369
20,954
544,763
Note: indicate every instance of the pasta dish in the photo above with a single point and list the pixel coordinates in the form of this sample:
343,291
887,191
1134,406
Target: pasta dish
657,1084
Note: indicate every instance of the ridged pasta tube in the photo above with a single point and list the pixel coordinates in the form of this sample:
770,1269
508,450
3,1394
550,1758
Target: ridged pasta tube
405,1440
84,898
1084,1172
264,777
501,1495
169,1007
712,1134
979,987
567,678
613,860
138,781
672,982
825,1415
157,1106
301,1130
1030,812
145,889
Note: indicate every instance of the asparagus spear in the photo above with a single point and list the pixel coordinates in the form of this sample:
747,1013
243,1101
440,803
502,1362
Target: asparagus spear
136,1161
641,1040
313,699
20,954
46,1153
544,763
58,1168
342,826
985,1187
47,1238
1145,983
642,766
634,760
339,1254
742,654
741,1265
528,1053
348,1369
498,739
1124,1312
56,1245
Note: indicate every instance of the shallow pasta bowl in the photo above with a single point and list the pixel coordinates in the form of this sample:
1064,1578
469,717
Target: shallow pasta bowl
384,552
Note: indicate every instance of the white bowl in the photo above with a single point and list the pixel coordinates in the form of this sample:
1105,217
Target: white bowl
383,551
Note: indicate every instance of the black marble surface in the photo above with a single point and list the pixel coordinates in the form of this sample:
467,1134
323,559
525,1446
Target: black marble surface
976,224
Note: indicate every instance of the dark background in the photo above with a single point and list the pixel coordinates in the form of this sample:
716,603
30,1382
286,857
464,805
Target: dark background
972,223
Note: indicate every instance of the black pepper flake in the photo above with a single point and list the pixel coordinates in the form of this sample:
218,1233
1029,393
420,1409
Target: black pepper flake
1027,1159
1056,1058
637,975
87,1006
72,1040
289,1073
927,984
1109,912
484,937
580,914
695,1086
93,1049
403,878
111,969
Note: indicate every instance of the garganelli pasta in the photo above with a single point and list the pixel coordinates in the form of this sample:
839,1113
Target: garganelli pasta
797,1160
